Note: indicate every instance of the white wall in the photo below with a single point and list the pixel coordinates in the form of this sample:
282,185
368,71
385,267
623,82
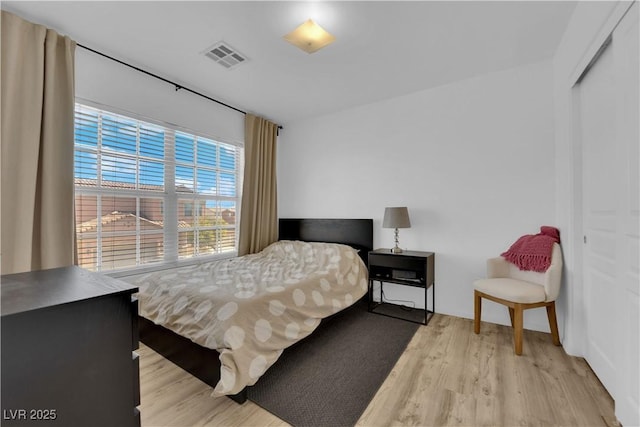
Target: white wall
473,161
106,82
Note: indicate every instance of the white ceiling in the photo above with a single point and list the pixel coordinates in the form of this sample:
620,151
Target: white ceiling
383,49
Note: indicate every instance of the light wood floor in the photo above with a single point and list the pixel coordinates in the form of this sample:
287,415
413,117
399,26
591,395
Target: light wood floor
447,376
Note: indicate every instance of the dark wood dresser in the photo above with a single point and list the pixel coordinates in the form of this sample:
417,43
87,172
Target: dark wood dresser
68,337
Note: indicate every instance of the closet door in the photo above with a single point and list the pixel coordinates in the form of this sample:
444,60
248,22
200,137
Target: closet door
597,97
626,46
608,128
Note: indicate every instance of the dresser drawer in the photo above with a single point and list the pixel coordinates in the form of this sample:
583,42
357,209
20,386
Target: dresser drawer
135,360
135,333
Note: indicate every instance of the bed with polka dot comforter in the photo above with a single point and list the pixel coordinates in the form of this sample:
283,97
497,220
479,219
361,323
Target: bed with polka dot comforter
251,308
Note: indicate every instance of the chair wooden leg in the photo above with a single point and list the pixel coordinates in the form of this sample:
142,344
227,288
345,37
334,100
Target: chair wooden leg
477,311
553,323
517,328
511,315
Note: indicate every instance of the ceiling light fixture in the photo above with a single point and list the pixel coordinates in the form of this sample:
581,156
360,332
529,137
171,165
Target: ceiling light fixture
309,37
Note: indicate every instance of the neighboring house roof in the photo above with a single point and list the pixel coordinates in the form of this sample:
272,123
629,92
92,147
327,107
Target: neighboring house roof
116,216
87,182
112,218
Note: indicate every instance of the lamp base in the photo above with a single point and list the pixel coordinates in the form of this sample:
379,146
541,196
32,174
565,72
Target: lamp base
396,249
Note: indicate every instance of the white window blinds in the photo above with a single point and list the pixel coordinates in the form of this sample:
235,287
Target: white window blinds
147,193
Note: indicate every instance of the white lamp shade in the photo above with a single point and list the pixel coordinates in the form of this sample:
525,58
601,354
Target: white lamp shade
396,217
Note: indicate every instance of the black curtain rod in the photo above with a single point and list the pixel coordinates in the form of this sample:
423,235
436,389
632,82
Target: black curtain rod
176,85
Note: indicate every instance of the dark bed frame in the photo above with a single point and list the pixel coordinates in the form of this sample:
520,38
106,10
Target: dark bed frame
202,362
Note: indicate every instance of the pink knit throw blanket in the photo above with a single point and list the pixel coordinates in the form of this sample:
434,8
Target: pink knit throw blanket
533,251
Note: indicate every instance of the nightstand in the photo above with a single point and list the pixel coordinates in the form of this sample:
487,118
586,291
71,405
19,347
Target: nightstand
408,268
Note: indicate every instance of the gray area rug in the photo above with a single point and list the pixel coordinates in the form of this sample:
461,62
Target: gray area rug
329,378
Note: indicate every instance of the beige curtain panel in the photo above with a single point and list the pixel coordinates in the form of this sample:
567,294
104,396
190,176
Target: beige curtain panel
37,147
259,211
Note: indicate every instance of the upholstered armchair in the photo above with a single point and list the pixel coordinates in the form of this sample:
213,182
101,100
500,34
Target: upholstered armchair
520,290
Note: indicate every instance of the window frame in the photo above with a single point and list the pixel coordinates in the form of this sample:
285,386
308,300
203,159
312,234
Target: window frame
170,197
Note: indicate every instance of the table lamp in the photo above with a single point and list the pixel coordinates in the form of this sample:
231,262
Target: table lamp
396,217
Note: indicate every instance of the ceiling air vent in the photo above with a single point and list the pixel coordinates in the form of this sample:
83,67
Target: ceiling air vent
225,55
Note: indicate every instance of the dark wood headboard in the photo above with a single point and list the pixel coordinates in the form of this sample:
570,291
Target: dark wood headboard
357,233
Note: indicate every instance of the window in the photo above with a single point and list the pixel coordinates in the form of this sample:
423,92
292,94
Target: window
150,194
206,185
188,209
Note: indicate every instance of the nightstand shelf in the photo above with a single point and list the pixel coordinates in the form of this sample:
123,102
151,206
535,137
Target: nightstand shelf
408,268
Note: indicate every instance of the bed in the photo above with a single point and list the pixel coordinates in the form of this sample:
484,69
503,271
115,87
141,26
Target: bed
227,359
